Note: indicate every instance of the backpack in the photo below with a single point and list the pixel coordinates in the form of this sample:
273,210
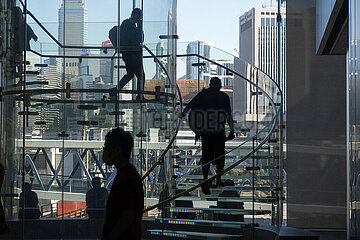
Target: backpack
113,34
196,120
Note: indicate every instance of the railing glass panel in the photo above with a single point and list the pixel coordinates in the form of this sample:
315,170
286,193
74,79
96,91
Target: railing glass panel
61,99
252,158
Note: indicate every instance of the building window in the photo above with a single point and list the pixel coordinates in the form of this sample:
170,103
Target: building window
273,22
245,26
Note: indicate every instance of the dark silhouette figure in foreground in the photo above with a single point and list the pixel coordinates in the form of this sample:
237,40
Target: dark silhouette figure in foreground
32,210
230,205
96,199
125,203
131,38
210,110
3,225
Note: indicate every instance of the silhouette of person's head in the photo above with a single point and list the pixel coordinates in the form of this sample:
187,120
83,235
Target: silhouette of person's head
27,187
215,82
95,182
136,15
117,148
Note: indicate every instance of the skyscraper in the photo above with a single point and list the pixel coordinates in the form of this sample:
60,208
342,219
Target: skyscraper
258,45
72,31
197,47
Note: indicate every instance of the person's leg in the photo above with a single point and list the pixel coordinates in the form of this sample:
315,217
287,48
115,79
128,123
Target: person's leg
219,146
205,158
129,64
140,74
125,79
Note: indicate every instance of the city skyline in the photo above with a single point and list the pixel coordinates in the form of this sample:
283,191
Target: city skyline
101,18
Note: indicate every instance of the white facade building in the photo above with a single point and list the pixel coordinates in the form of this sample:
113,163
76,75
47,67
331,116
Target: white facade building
258,45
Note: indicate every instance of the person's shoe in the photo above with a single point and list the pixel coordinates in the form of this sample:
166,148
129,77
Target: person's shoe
211,185
220,183
205,189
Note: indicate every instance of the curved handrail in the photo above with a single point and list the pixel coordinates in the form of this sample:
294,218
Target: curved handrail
249,138
265,139
273,121
94,57
81,90
172,140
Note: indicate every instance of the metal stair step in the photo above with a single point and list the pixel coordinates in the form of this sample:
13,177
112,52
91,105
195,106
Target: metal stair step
241,188
237,167
225,177
192,235
229,199
212,223
219,210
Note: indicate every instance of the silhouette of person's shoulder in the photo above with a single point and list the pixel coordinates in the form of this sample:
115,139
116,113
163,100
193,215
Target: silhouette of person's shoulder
126,25
129,169
127,178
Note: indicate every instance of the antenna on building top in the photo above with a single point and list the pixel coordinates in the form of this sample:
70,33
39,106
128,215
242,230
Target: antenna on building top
237,51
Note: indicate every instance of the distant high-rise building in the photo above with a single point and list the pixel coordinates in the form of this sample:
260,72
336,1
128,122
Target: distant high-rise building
160,50
72,31
258,45
215,70
52,73
106,64
50,114
198,47
89,66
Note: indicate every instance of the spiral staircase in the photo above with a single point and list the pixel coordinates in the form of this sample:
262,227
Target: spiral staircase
253,191
164,150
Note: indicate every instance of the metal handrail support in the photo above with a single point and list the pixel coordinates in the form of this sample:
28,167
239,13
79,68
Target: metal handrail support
172,140
274,121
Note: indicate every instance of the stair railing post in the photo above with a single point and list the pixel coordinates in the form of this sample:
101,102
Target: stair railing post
281,167
253,187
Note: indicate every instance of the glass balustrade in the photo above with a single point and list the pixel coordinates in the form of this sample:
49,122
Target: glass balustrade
62,98
252,166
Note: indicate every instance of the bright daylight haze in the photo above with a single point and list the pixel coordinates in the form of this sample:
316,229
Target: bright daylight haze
205,20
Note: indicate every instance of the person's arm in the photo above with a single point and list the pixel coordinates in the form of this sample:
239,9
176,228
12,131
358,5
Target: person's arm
184,112
191,104
125,35
229,119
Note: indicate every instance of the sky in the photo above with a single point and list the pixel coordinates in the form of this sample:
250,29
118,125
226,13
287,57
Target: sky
214,20
205,20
